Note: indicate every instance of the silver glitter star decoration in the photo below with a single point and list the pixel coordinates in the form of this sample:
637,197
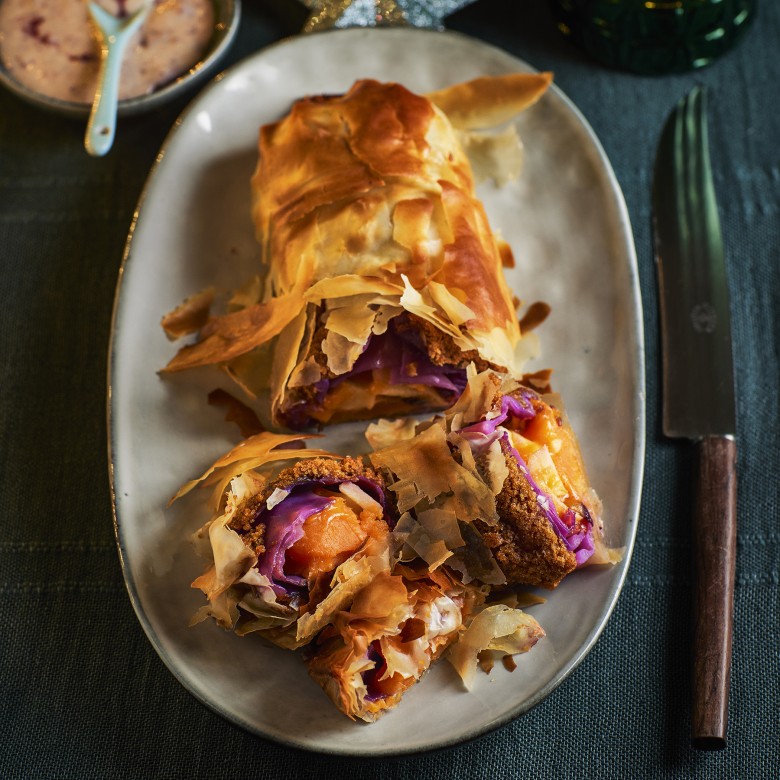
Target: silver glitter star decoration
374,13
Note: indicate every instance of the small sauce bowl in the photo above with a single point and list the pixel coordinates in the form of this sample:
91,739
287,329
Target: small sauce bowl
227,15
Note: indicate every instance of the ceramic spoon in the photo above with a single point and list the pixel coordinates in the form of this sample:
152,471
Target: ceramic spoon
114,34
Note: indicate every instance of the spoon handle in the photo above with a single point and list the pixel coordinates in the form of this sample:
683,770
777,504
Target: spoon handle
115,36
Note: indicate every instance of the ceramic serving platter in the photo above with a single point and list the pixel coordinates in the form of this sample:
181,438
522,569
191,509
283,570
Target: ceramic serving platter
566,221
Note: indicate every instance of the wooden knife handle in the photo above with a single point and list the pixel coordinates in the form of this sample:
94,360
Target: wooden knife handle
715,542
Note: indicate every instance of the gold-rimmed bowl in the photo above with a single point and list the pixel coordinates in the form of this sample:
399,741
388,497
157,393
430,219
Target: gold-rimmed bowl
226,21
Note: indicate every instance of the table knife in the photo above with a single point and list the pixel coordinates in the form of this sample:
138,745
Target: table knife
698,391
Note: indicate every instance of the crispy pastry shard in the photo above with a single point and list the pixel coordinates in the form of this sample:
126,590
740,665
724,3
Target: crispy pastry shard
190,316
498,628
383,277
490,100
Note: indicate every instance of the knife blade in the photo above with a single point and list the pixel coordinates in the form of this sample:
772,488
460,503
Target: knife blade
698,391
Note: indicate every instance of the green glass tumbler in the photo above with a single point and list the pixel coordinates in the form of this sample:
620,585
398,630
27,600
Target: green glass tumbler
653,38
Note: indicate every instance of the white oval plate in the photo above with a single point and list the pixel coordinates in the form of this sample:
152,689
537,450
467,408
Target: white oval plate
567,223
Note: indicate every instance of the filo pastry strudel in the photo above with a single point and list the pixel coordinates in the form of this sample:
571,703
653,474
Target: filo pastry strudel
382,277
295,533
302,554
496,487
400,624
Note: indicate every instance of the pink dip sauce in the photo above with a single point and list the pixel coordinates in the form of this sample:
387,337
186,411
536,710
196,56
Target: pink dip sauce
51,46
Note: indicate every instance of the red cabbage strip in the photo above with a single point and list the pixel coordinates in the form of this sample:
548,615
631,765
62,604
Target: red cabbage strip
484,433
283,528
371,676
577,539
398,353
581,541
404,355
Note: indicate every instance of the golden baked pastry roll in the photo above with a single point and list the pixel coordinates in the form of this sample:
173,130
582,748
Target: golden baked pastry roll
382,277
495,488
398,625
302,553
294,535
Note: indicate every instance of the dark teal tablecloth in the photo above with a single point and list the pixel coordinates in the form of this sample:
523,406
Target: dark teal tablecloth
82,692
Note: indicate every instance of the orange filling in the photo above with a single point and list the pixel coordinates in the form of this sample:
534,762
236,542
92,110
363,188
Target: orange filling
549,429
330,536
360,397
